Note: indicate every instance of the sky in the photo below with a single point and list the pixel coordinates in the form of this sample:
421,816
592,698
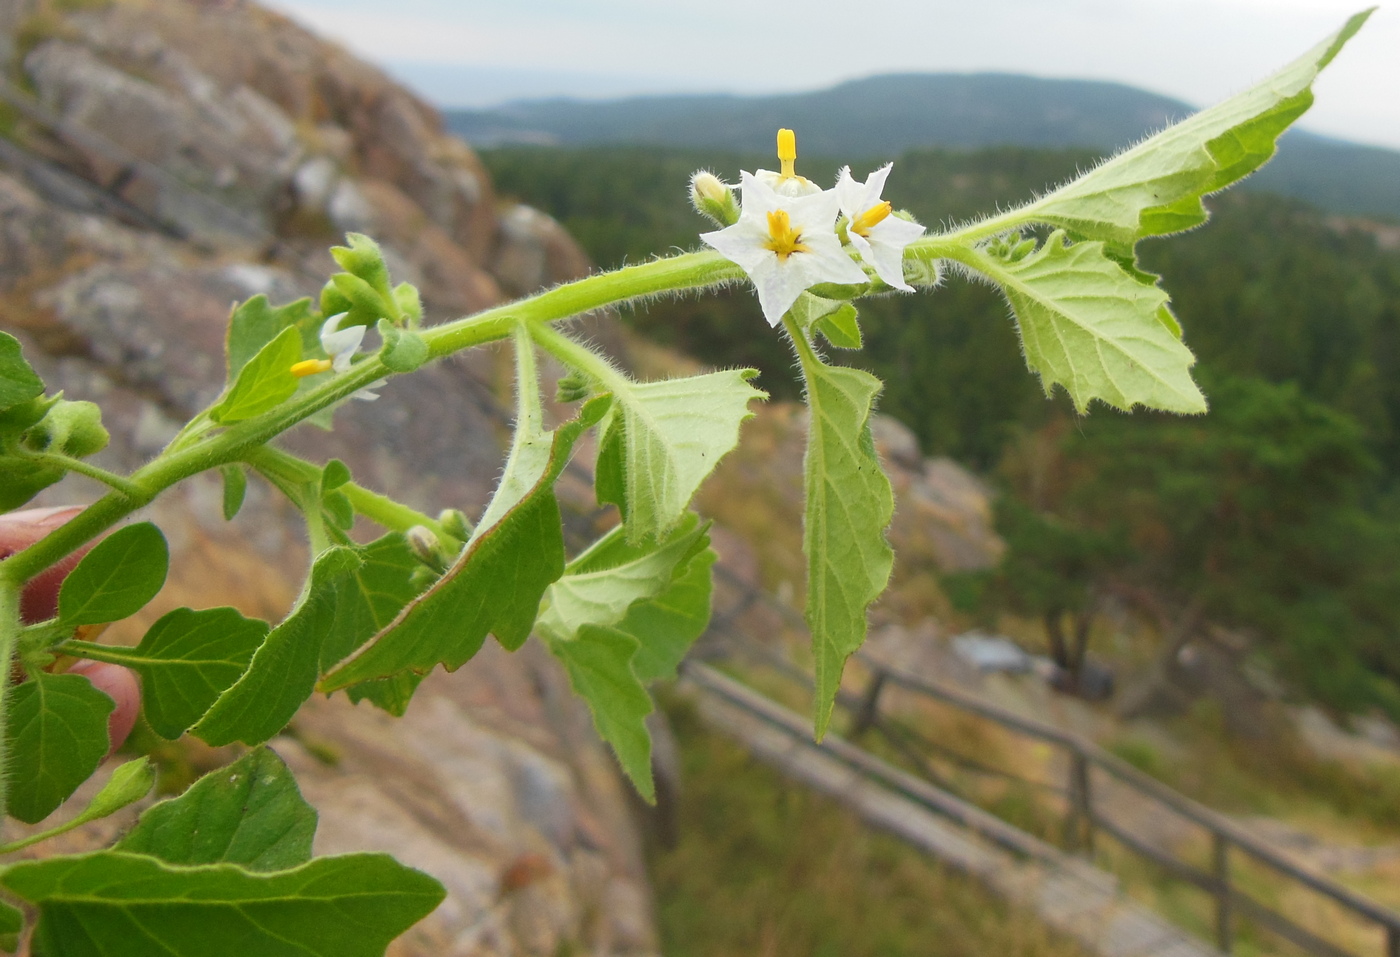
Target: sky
485,52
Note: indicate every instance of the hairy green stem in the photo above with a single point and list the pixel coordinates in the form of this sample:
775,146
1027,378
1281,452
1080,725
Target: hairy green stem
9,633
197,451
69,464
380,509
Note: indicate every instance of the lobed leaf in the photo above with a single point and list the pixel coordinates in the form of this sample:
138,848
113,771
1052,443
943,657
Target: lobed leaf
19,383
256,323
580,625
599,664
248,813
849,505
516,552
186,660
282,673
1092,327
662,440
600,586
57,726
264,382
117,578
118,904
666,625
1155,188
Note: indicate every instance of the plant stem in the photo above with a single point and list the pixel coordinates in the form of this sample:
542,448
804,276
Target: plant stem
380,509
196,452
69,464
9,634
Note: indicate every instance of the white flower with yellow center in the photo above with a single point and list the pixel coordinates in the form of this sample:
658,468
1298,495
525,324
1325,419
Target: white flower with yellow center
786,244
879,237
341,345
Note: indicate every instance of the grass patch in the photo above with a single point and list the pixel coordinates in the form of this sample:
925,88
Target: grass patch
764,867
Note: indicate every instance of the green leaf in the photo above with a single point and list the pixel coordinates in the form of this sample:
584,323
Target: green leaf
264,383
11,923
334,475
663,439
18,382
391,694
256,323
186,661
1090,326
1155,188
249,813
21,479
57,726
116,904
129,783
363,258
117,578
516,551
404,350
599,664
235,488
583,606
367,306
369,597
841,327
601,585
849,505
667,625
282,673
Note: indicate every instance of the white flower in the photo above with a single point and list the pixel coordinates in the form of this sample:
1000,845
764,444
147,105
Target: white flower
786,244
879,237
786,182
341,345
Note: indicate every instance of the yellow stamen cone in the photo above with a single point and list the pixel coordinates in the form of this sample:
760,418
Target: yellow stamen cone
308,367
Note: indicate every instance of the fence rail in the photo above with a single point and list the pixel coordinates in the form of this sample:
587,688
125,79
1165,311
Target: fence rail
1086,817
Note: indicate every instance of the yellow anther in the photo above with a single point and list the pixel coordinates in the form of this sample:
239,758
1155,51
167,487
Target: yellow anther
787,153
782,238
871,218
308,367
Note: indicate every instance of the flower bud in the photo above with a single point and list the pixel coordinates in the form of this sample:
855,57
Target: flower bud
72,428
455,523
427,548
713,198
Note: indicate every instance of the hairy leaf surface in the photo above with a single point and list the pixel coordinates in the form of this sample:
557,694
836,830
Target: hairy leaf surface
516,552
849,505
1092,327
117,904
1155,188
57,729
186,661
663,439
117,578
249,813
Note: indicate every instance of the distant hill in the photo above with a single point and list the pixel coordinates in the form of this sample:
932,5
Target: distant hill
886,115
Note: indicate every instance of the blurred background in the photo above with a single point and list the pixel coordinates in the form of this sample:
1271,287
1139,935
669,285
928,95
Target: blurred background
1212,603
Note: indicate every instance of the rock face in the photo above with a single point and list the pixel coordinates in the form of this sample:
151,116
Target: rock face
162,159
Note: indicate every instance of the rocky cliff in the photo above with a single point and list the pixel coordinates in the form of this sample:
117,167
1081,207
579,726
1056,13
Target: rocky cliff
162,159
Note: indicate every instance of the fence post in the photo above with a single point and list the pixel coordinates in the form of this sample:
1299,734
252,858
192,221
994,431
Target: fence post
1220,847
1392,940
1079,825
869,709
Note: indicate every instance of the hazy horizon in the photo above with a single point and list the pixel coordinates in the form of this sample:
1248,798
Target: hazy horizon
1196,51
